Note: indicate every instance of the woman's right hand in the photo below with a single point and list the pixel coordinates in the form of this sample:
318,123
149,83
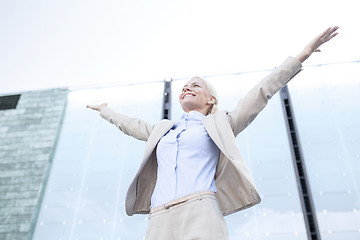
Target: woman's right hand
97,107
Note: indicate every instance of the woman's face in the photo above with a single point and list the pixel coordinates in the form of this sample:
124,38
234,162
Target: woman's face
195,95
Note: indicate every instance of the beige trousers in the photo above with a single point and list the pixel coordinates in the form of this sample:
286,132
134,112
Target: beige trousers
196,219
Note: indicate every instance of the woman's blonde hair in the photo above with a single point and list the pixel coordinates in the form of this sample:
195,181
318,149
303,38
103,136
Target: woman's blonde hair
213,93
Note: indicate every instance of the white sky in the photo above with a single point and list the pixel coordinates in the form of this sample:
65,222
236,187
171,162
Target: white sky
72,43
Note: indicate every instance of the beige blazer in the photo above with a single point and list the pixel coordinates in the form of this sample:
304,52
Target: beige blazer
235,186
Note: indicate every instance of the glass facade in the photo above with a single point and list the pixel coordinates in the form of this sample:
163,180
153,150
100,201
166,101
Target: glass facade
326,105
93,166
94,163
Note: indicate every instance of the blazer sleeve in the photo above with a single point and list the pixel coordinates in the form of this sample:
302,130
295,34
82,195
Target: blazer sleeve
256,99
134,127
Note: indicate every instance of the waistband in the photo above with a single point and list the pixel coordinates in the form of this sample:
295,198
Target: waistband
180,200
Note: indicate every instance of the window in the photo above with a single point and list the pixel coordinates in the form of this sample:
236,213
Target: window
9,102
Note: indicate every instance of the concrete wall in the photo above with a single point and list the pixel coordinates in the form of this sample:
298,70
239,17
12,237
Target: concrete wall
27,138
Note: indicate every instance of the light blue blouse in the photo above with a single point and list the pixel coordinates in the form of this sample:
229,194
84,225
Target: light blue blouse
187,159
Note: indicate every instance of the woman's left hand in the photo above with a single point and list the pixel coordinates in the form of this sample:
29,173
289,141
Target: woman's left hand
314,45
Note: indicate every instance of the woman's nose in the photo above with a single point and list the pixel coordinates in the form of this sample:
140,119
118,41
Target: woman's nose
187,89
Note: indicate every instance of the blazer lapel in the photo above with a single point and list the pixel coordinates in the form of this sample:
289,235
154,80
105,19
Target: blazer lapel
210,126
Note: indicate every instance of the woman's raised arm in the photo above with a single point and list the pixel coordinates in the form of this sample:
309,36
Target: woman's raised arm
134,127
256,99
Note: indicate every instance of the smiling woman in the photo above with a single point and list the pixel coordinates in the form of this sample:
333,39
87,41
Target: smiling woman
192,173
198,95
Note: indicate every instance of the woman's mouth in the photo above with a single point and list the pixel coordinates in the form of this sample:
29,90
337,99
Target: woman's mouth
188,95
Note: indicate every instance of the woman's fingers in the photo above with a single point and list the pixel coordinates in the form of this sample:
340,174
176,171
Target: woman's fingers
93,107
314,45
329,33
96,107
332,32
325,36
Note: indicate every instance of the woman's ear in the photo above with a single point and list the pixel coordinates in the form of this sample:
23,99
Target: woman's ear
212,100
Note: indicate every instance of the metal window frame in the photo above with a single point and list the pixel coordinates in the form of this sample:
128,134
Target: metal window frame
166,106
302,179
